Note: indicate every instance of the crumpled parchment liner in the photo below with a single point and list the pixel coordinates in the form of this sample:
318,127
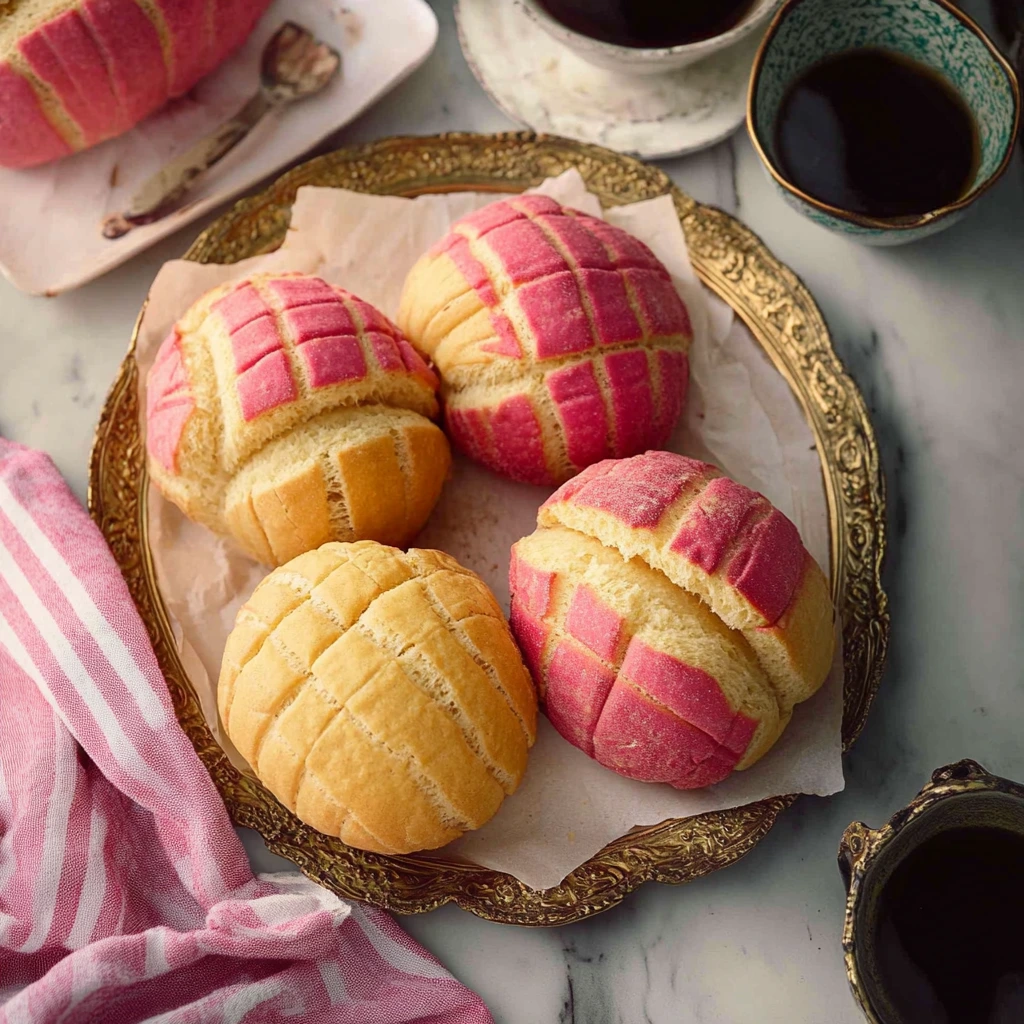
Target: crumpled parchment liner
740,414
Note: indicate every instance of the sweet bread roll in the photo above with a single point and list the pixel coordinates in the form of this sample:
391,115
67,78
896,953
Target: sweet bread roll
671,618
379,695
76,72
286,412
559,338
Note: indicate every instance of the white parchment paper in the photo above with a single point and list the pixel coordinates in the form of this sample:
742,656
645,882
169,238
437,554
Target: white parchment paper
740,415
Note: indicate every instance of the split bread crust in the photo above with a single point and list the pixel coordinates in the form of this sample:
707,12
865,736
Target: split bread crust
671,618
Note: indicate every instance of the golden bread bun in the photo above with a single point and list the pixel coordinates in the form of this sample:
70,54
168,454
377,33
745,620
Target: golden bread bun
560,339
671,618
287,412
379,695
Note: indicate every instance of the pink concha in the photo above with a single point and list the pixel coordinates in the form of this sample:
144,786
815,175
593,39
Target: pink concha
671,618
583,315
98,67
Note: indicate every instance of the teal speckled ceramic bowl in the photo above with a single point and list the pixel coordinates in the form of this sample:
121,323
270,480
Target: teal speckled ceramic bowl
933,32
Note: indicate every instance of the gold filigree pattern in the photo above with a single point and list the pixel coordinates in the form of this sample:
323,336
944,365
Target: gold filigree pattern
783,317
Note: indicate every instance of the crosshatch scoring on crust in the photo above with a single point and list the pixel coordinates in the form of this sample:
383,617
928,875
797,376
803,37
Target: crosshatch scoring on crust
379,694
288,412
670,617
560,339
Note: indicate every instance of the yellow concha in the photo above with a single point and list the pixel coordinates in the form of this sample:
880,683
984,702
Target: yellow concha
379,695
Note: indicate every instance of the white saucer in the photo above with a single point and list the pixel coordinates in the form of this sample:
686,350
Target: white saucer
542,84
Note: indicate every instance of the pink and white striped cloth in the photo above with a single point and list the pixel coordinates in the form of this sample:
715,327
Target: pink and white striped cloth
125,895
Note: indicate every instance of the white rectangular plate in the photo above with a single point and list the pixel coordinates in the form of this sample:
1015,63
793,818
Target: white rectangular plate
50,216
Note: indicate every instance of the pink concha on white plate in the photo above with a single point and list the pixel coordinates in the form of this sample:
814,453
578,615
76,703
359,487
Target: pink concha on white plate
75,74
671,618
51,239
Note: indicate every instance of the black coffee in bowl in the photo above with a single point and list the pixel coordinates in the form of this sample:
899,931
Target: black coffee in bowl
875,133
948,941
648,23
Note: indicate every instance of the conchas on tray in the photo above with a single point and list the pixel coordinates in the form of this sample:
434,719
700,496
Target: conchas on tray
532,159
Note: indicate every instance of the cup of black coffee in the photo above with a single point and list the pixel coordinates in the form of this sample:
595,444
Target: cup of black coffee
934,930
648,36
882,120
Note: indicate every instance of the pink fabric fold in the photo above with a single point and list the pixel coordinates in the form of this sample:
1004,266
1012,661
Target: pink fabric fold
125,894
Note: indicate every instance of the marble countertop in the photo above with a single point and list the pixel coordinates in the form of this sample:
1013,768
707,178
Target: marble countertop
934,335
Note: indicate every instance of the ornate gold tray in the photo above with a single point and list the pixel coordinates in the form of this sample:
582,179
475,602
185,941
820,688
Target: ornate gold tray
782,316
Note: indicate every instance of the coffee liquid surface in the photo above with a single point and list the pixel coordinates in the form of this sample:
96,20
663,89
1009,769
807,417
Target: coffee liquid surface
949,945
877,134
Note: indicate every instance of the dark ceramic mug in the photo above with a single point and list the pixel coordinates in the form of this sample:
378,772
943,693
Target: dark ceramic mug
890,984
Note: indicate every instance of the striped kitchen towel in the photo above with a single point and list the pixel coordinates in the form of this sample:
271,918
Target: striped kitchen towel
125,894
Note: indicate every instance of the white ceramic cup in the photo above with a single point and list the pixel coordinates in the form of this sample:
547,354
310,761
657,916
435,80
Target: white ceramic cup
633,60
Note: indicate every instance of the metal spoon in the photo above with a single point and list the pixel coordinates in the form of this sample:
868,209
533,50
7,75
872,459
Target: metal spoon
294,64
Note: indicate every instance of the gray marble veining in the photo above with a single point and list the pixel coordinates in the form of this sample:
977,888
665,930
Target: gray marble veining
934,335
